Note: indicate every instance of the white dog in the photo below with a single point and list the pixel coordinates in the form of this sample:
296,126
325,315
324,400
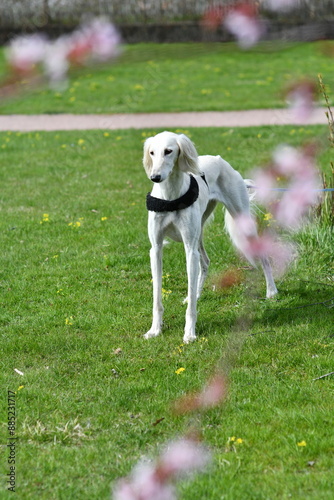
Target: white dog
187,188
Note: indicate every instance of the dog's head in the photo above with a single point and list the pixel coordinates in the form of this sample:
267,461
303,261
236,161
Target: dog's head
167,150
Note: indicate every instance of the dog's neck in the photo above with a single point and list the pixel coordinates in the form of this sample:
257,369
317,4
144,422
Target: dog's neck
175,186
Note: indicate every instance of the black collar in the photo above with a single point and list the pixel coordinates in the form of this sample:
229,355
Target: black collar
185,201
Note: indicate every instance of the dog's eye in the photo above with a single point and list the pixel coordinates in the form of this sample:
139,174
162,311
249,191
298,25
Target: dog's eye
152,153
168,151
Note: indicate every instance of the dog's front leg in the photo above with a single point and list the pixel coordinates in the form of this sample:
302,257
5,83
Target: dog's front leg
156,268
192,256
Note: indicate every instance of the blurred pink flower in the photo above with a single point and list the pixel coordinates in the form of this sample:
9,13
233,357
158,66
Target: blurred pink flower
56,63
289,161
214,392
297,167
152,481
183,456
25,52
264,182
295,202
96,41
243,22
301,98
143,484
264,246
104,39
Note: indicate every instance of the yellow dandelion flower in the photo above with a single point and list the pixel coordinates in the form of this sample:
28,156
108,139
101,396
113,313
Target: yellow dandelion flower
104,218
72,99
21,387
179,370
81,142
301,443
45,218
106,134
239,441
69,321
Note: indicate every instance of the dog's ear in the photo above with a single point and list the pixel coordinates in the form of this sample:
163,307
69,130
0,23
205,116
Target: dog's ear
188,158
147,160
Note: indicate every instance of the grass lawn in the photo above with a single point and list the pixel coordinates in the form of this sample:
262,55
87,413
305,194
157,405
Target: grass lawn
185,77
76,286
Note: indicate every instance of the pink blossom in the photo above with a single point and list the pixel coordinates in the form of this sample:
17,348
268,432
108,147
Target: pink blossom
264,182
246,225
301,100
265,246
183,456
25,52
143,484
289,161
56,63
243,22
97,41
104,39
214,393
152,481
295,203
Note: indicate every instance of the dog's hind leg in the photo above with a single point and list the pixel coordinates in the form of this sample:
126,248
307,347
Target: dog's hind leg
271,287
238,237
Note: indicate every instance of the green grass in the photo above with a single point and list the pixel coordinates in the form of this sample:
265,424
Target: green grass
75,286
185,77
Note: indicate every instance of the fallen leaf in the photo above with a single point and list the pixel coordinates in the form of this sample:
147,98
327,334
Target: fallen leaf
158,421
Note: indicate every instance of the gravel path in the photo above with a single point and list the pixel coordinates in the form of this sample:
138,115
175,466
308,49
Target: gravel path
28,123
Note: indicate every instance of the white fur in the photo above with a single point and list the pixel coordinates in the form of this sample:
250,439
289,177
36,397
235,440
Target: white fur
168,160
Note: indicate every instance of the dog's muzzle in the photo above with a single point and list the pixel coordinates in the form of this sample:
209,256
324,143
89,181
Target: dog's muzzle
156,178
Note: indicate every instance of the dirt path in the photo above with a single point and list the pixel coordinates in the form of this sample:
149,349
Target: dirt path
27,123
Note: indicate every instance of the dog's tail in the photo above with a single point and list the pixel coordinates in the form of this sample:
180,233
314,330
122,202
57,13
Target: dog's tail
241,227
250,185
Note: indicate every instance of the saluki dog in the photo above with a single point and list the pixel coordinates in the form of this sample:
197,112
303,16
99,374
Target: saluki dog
186,189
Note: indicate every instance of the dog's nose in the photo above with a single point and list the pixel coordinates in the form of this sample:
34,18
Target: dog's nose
156,178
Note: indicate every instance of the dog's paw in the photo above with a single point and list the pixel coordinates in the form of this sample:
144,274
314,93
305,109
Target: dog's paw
189,337
271,293
151,334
